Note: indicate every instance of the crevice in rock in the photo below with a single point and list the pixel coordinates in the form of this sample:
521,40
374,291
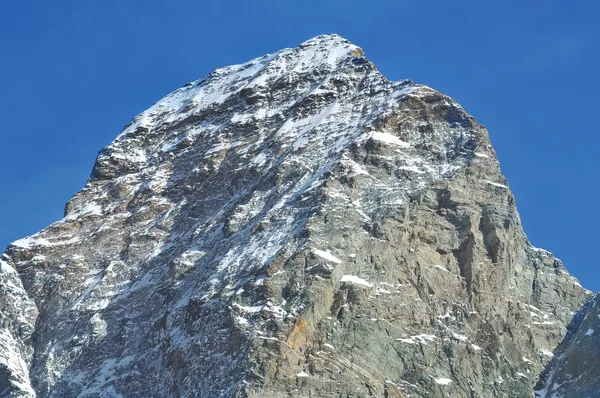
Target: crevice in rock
464,257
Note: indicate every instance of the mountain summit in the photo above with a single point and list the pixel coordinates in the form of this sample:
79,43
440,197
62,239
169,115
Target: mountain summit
294,226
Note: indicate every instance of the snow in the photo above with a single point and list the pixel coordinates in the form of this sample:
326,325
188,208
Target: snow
99,325
36,241
441,267
389,139
322,52
496,184
302,374
419,339
544,323
355,280
481,155
355,167
533,307
589,332
443,381
447,315
459,337
249,308
550,384
108,373
315,54
31,241
547,353
223,146
414,169
475,347
11,358
268,338
327,256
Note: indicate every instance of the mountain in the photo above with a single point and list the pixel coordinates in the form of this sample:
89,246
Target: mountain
295,226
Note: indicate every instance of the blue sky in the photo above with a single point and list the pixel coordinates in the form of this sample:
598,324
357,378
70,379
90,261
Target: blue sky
73,73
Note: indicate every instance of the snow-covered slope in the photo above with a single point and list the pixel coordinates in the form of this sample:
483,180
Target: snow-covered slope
297,225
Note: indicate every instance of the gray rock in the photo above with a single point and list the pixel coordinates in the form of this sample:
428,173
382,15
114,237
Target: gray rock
295,226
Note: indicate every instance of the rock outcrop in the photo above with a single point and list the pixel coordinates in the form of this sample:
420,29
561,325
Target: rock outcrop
295,226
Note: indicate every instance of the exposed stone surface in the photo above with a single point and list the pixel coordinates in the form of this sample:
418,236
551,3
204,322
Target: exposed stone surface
296,226
574,372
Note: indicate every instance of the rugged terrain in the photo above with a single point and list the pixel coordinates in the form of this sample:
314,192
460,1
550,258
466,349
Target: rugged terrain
295,226
574,371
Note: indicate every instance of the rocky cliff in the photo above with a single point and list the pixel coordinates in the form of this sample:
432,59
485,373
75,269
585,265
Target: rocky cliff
574,371
295,226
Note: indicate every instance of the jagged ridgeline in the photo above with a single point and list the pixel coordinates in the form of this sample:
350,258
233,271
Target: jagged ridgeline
295,226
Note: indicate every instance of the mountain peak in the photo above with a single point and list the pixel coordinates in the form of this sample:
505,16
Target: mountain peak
296,223
330,41
322,55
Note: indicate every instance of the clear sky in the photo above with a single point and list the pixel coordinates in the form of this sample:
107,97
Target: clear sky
74,72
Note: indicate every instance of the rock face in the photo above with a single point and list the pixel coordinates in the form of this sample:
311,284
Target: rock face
574,372
295,226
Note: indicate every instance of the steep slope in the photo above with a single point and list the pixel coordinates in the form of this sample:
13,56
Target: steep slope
574,372
297,225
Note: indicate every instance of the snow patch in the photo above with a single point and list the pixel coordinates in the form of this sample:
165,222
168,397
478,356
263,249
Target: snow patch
355,280
419,339
497,184
547,353
327,256
459,337
389,139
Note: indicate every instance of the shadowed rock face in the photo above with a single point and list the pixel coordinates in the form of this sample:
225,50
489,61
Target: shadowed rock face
574,372
295,226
